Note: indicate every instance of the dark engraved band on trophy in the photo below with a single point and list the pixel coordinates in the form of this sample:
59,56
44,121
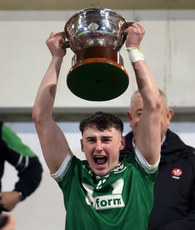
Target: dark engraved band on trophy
96,35
96,51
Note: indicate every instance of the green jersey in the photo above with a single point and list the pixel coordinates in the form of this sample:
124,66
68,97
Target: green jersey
122,200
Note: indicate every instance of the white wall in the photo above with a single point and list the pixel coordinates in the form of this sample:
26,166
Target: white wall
168,47
44,209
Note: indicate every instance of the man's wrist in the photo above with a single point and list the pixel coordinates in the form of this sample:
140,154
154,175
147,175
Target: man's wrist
21,197
135,54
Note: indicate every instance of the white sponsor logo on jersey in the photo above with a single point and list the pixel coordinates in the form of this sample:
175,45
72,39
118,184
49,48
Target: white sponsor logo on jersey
109,201
113,200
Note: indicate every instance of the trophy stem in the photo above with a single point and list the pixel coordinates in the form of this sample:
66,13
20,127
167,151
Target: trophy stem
96,52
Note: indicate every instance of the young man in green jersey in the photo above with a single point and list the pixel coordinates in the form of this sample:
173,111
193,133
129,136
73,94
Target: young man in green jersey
101,192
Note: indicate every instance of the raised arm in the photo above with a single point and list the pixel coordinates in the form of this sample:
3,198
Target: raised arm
147,137
53,142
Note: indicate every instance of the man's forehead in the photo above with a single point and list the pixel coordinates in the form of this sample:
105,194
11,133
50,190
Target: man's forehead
138,97
137,103
93,131
96,136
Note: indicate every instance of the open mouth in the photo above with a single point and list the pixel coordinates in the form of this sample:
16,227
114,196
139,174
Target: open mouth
100,160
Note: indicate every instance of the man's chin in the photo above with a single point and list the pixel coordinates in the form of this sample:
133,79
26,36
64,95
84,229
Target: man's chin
101,171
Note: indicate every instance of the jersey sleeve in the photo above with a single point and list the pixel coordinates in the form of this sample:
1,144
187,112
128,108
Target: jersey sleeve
150,169
68,177
59,175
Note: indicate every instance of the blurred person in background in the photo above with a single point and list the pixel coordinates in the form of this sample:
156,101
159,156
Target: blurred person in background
23,159
174,190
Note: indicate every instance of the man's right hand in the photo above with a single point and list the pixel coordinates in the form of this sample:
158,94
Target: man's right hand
54,43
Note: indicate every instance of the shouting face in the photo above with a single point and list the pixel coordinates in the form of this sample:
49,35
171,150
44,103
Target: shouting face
102,148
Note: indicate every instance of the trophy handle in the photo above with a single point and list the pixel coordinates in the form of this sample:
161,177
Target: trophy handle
65,45
126,25
123,34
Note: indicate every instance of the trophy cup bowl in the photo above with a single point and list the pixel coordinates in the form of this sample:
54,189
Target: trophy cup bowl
96,35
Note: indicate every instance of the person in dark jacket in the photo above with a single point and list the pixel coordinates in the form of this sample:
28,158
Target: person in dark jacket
22,158
174,190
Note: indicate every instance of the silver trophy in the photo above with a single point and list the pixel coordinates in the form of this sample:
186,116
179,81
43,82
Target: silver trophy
96,35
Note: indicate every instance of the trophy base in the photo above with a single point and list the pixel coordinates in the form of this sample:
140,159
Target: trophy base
97,79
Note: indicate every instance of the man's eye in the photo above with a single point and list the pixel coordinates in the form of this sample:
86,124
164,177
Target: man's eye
106,140
90,140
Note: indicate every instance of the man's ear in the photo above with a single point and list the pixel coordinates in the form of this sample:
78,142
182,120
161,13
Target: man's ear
122,145
129,118
170,114
82,147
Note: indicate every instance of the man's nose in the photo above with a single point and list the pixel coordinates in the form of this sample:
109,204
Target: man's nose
99,146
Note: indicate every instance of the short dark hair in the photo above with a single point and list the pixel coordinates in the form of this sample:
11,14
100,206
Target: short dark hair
102,121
